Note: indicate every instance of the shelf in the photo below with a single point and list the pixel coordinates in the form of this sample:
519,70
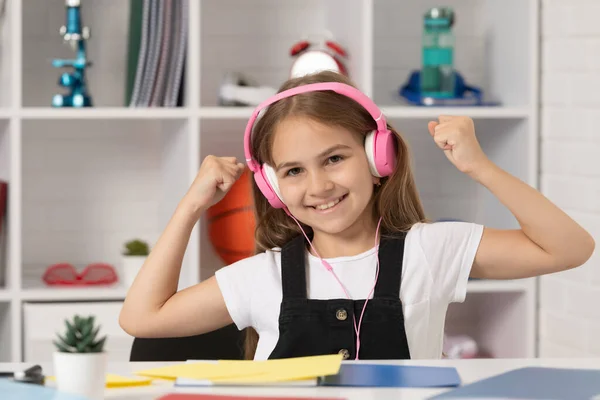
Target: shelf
473,112
6,295
392,112
34,289
494,286
90,186
86,180
86,293
103,113
226,112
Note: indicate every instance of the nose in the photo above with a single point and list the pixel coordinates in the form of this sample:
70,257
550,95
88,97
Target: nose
319,184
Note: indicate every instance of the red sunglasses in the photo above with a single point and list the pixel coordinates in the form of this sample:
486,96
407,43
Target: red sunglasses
93,274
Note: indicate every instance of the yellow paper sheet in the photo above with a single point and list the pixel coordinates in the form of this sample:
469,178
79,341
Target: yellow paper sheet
196,370
113,381
289,369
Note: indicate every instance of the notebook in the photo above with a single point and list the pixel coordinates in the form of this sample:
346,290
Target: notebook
532,383
373,375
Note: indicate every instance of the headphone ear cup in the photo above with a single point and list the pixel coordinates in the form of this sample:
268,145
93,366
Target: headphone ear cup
381,151
370,151
266,181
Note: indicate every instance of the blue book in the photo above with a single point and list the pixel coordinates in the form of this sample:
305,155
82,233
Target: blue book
12,390
532,383
403,376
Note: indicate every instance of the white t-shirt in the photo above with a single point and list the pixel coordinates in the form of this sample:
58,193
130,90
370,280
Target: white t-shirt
435,269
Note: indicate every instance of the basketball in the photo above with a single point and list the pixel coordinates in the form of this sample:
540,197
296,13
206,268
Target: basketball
231,222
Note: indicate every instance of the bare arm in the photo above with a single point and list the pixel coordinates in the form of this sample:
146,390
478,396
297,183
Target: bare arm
548,241
153,307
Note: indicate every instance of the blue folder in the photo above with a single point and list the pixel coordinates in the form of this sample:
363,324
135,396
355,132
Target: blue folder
532,383
11,390
378,375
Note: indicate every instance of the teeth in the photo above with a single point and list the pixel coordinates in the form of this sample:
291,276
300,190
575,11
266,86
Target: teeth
328,205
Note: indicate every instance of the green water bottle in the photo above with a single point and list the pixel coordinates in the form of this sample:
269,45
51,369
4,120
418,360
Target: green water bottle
437,72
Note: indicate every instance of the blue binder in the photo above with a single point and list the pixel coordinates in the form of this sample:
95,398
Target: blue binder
532,383
378,375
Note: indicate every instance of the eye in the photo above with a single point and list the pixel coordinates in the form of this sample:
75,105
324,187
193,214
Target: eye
335,159
293,172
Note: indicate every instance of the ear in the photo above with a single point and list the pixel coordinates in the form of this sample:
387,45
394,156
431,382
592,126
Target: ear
376,180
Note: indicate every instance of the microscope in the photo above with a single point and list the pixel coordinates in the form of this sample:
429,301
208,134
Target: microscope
76,35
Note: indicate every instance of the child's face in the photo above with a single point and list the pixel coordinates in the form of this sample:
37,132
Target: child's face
323,174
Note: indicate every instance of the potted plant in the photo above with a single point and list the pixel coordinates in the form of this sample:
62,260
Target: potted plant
79,359
134,255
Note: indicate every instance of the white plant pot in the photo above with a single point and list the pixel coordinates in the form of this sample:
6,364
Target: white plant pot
130,266
81,373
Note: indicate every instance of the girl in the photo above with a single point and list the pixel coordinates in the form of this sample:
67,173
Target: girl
347,261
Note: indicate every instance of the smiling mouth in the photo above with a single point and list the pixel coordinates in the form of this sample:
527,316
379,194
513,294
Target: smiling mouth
331,204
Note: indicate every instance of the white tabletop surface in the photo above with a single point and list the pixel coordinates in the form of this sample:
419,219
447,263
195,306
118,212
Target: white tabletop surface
469,371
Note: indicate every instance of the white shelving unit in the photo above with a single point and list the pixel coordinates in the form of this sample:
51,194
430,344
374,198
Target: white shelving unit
81,182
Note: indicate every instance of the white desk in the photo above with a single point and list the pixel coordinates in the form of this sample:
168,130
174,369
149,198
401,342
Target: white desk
469,370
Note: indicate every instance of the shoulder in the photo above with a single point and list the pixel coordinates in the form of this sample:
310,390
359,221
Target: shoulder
448,249
264,262
254,269
443,237
446,230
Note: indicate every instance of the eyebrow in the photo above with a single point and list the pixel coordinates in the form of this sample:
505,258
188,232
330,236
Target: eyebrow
324,153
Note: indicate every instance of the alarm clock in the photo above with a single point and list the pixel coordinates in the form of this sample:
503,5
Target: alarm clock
317,53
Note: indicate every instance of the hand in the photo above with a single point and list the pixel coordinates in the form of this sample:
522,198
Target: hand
456,136
213,181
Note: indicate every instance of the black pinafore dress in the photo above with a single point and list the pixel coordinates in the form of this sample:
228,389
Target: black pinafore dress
310,327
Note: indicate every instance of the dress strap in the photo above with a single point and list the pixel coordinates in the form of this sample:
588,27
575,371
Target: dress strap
293,270
391,254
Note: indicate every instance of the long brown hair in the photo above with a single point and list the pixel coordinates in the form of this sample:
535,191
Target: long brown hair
396,200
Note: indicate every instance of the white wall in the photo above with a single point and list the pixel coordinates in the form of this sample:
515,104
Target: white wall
570,315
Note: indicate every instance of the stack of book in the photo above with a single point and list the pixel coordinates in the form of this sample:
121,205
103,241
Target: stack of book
157,44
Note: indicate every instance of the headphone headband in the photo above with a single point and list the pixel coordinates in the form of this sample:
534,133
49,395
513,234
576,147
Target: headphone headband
341,88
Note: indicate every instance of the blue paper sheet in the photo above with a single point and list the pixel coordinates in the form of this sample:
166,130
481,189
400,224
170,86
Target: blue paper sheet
11,390
378,375
532,383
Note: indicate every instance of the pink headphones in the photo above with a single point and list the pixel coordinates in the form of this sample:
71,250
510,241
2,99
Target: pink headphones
380,145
